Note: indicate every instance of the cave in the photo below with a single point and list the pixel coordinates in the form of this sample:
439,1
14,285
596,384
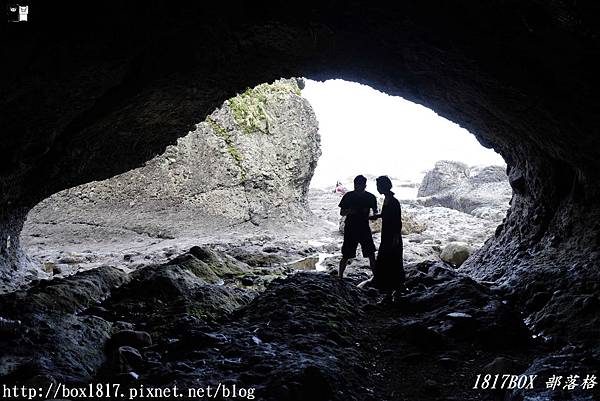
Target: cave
97,90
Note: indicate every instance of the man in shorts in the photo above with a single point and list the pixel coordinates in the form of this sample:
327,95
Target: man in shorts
355,205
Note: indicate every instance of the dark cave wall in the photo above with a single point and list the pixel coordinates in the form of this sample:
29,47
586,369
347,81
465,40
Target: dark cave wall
94,92
12,256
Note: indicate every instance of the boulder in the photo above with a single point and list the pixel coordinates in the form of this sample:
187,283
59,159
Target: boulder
130,338
445,175
483,192
126,357
480,175
456,253
252,158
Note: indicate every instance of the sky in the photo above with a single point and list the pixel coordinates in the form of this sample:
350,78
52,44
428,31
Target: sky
364,131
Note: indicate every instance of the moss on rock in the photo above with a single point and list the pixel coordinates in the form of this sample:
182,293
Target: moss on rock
231,149
250,107
218,129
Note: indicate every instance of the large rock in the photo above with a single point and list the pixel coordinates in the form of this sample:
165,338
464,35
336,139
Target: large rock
445,175
252,158
411,225
481,191
482,175
456,253
55,341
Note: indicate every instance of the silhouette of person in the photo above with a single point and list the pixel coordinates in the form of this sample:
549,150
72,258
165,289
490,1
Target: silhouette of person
389,269
356,205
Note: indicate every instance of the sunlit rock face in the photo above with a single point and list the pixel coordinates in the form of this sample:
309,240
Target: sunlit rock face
252,159
108,91
481,191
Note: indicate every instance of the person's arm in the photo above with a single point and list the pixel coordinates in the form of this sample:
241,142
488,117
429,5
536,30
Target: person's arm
345,210
375,215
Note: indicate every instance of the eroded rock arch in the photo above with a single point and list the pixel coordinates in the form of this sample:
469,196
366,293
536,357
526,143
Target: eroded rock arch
93,92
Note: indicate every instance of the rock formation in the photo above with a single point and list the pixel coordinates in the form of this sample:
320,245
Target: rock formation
85,101
456,253
445,175
90,92
480,191
252,158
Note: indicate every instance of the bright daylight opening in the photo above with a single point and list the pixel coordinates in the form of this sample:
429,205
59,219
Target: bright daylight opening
453,192
364,131
242,181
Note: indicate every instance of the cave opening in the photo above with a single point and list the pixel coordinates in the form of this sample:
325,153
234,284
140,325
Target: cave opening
203,229
243,176
90,93
364,131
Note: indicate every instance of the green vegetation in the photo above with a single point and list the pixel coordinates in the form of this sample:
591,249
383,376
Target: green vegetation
250,113
250,108
220,131
234,153
231,149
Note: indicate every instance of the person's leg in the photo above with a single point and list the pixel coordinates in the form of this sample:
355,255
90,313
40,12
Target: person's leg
372,262
348,251
343,263
368,249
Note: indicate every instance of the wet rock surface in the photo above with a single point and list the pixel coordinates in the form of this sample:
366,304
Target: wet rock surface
193,320
55,341
85,101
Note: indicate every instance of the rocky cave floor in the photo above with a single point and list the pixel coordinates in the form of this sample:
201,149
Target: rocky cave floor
240,312
67,241
206,318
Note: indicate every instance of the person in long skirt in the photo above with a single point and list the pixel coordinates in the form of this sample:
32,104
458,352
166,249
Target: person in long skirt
389,267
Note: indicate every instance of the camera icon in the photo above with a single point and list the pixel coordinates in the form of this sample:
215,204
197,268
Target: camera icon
17,12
